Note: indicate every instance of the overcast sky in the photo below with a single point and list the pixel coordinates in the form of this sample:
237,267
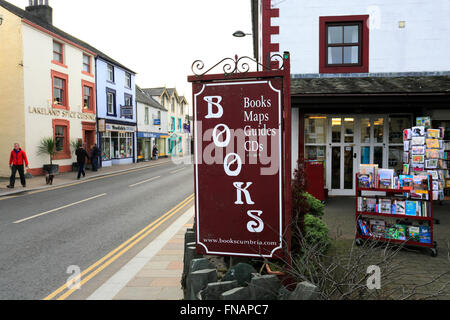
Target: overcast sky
159,39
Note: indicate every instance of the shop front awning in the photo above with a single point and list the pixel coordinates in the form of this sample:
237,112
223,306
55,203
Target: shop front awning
371,85
350,93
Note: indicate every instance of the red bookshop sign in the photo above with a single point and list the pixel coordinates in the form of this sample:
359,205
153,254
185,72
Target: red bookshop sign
238,137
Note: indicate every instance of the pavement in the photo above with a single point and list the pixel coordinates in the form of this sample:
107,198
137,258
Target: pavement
154,273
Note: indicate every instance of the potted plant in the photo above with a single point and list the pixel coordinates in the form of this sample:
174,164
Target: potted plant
48,147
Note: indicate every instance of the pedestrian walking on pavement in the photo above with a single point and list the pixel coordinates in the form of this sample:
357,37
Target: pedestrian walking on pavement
155,152
17,160
82,155
95,157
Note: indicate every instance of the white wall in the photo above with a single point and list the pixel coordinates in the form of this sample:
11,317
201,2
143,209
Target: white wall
37,56
153,112
423,46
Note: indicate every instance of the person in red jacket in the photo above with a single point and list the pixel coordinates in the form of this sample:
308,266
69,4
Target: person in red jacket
17,160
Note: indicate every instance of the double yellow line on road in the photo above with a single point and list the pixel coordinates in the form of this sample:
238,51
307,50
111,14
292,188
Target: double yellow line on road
101,264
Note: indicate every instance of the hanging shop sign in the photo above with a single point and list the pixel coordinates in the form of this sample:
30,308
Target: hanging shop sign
240,137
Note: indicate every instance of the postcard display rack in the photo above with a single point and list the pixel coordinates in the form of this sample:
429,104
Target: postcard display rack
424,153
403,214
446,161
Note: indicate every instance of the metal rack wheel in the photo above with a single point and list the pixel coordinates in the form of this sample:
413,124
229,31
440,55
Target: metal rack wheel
433,252
359,242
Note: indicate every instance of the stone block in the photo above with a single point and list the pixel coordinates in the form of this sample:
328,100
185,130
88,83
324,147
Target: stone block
190,253
189,237
197,281
214,290
242,272
305,291
264,287
240,293
199,264
284,293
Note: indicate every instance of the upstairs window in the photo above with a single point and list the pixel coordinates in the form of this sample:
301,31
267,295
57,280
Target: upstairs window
127,80
128,100
58,54
147,116
88,96
110,74
59,88
344,44
86,63
111,103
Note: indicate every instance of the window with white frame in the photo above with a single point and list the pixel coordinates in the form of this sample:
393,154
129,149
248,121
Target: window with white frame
110,72
128,80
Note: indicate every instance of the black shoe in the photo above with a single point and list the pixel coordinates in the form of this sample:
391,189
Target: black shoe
10,187
24,186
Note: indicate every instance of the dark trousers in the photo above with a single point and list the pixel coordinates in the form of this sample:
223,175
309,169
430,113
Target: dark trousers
94,162
14,169
81,170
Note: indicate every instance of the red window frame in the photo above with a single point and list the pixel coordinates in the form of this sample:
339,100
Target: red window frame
65,77
89,72
91,86
363,65
59,63
65,153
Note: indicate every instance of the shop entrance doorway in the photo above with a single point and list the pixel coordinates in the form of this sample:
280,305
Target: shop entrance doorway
344,141
353,140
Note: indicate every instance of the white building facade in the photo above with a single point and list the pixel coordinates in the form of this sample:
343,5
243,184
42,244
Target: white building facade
152,127
361,72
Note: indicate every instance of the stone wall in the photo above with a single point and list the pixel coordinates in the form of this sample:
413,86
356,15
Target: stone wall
208,278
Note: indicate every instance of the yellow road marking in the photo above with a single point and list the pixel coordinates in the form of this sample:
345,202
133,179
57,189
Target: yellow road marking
136,238
145,181
57,209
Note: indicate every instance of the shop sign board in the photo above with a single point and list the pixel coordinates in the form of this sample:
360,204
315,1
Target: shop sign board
239,147
120,128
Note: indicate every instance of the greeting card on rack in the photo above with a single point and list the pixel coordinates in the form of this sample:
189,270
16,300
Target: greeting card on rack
431,163
406,169
423,121
434,133
405,157
417,158
418,131
418,141
418,149
432,154
407,134
406,145
418,167
432,144
434,174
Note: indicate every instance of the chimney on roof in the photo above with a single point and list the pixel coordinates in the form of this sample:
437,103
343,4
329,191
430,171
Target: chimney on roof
41,10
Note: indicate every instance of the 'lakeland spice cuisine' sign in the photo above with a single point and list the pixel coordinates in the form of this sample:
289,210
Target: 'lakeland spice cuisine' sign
238,167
